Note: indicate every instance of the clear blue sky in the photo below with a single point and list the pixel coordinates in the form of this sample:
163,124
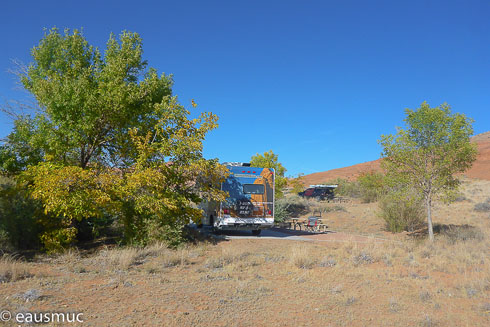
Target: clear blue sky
315,81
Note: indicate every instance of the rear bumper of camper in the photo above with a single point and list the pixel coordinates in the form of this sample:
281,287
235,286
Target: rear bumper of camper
244,223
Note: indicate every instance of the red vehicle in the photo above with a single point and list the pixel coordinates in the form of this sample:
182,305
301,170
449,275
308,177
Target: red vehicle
319,192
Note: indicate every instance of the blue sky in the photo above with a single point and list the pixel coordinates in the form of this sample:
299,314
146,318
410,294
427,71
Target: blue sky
315,81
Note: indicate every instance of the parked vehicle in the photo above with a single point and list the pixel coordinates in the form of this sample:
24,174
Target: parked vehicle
250,204
319,192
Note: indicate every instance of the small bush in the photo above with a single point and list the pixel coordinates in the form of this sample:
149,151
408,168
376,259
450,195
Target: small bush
328,262
362,258
459,233
346,188
425,296
293,205
401,211
30,295
59,240
351,300
18,226
372,186
460,197
483,206
301,258
394,306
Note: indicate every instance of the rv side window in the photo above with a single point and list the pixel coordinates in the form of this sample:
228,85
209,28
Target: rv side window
253,188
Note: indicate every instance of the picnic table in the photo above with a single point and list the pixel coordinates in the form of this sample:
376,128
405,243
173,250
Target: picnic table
307,224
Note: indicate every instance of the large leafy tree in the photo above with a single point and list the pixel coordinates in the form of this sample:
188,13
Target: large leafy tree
89,101
426,155
271,160
109,138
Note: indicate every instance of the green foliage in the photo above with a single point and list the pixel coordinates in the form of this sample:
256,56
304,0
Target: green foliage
20,149
271,160
70,192
290,206
402,210
153,199
346,188
109,142
59,239
297,184
426,155
18,224
372,186
89,101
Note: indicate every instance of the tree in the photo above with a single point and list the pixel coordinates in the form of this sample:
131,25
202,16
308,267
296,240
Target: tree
89,101
427,154
109,138
297,184
270,160
19,149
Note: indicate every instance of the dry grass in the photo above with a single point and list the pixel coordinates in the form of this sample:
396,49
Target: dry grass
401,281
12,269
130,257
302,257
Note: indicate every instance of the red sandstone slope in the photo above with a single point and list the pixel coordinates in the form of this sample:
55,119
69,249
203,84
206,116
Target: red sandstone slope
480,169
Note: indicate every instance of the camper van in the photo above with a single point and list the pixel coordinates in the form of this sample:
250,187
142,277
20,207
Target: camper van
250,201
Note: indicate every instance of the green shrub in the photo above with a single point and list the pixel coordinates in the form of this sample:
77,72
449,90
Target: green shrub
292,205
372,186
19,229
59,239
346,188
402,210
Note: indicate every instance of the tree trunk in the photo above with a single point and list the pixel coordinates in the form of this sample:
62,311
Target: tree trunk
429,219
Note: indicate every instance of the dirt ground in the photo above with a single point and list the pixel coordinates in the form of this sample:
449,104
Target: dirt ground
353,280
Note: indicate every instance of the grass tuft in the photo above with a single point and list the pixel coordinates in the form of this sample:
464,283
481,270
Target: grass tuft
11,269
302,258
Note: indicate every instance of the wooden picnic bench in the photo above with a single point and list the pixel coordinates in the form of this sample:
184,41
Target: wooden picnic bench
313,224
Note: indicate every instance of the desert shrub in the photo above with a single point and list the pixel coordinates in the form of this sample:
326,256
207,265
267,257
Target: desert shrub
483,206
372,186
346,188
292,205
18,225
402,210
460,197
328,262
459,233
362,258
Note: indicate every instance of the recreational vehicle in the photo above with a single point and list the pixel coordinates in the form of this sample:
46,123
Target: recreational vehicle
250,201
